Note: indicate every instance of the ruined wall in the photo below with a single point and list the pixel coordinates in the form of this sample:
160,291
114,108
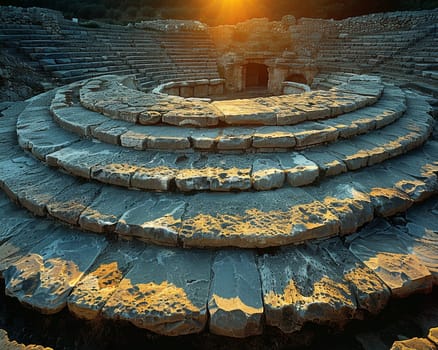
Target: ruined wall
286,47
391,21
48,19
254,41
290,48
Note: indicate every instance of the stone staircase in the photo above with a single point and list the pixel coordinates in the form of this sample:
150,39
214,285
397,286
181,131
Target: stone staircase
361,52
419,60
193,53
77,52
181,215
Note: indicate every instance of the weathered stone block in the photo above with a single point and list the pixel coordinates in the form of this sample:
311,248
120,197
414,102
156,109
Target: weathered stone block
166,292
235,304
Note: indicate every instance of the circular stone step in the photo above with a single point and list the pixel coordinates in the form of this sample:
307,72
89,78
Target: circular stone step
187,172
246,219
114,97
72,116
131,281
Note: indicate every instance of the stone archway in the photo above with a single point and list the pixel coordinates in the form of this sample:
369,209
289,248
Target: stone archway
256,75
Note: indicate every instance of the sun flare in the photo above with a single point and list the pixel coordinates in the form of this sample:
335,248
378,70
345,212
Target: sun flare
233,11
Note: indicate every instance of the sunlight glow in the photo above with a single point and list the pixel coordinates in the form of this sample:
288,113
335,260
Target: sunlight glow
233,11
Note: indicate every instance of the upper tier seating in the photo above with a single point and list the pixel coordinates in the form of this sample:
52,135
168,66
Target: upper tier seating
76,52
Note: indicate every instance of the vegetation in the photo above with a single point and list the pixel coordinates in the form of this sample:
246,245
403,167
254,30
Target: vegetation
208,11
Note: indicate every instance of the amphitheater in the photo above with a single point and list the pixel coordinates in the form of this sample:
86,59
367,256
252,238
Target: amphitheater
230,179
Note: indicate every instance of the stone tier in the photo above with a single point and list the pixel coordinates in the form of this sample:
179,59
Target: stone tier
187,172
161,171
109,96
336,206
236,293
85,123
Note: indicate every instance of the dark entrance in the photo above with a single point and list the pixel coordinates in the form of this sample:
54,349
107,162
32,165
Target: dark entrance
297,78
256,75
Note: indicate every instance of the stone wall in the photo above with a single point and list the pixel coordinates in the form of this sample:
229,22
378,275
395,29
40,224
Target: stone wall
18,81
48,19
392,21
254,41
290,46
172,25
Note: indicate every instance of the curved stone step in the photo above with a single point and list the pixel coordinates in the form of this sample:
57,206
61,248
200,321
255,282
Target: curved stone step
259,219
160,171
243,139
35,128
391,254
48,266
109,96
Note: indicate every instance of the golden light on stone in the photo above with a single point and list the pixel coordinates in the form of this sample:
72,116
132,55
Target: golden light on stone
233,11
219,212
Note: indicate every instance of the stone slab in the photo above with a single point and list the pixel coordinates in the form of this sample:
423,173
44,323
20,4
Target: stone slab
110,131
299,170
90,294
6,140
372,294
38,133
103,214
353,157
167,137
9,226
24,239
79,158
299,286
32,184
267,174
395,191
68,205
383,251
423,243
347,200
217,173
245,112
377,150
413,344
159,173
424,215
13,110
79,120
233,139
433,335
156,219
259,219
135,137
235,304
420,179
312,133
329,164
201,117
166,292
44,278
273,137
204,139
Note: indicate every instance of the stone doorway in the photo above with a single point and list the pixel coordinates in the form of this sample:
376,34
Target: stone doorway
256,76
